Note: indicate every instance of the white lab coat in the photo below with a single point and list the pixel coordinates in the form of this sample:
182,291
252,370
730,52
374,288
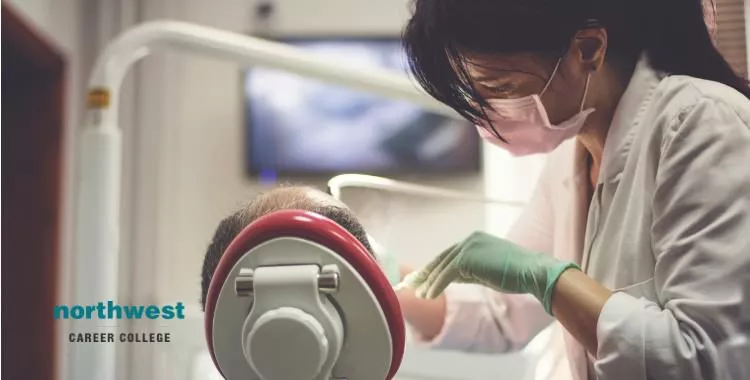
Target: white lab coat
668,231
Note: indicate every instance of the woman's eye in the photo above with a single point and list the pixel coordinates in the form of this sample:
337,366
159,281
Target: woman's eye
501,89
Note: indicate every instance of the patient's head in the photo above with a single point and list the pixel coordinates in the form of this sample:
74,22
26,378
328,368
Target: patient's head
280,198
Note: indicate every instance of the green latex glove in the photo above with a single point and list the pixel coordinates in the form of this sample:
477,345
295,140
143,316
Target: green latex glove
493,262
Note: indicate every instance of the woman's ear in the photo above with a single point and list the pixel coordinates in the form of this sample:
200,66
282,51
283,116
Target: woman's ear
591,46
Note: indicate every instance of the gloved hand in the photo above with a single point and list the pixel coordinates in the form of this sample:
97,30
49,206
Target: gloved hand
490,261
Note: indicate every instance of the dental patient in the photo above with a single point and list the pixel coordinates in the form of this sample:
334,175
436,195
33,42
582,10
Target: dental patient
277,199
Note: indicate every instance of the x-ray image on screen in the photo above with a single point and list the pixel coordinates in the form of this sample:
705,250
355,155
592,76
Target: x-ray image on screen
300,125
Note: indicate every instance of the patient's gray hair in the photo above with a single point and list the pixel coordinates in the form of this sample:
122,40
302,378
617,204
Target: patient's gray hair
283,197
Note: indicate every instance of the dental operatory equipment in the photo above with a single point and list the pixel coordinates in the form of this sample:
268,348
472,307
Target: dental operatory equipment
97,245
316,298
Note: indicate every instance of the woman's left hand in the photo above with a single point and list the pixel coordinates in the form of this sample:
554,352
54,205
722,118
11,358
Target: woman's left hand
494,262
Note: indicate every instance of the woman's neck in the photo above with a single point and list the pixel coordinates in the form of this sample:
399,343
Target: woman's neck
607,87
593,140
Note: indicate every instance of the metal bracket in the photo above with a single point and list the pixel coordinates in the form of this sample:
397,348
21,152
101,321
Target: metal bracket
328,281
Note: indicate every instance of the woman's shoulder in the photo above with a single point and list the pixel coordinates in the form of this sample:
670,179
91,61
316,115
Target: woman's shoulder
678,95
702,109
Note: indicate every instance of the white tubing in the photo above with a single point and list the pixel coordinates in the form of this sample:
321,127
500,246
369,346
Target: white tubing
97,246
337,183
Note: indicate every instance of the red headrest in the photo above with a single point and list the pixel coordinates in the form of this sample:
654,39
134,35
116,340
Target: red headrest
314,227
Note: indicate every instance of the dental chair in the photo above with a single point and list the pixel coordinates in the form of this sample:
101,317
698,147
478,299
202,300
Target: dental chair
297,297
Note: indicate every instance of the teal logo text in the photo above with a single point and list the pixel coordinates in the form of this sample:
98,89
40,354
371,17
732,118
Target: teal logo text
111,310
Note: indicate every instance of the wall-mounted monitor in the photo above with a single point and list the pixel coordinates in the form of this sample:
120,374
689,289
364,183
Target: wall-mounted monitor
302,126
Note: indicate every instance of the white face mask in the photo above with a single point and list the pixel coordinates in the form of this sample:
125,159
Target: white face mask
524,123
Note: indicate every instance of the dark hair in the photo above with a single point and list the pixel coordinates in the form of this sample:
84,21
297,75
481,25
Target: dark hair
281,198
672,33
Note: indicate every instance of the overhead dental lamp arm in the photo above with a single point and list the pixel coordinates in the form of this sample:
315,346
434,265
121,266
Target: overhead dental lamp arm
147,38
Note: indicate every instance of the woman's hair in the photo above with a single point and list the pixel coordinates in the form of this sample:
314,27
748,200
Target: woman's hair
672,33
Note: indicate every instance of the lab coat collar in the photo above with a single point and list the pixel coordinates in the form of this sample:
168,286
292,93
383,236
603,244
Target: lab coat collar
625,123
627,119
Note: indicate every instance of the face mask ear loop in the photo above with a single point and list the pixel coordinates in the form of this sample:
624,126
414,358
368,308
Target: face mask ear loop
554,71
585,91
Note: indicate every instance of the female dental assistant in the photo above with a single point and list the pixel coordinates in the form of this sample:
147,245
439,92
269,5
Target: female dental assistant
637,238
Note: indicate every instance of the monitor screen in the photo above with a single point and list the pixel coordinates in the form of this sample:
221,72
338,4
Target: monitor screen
298,125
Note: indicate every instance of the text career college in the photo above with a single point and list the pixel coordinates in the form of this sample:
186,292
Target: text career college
122,337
